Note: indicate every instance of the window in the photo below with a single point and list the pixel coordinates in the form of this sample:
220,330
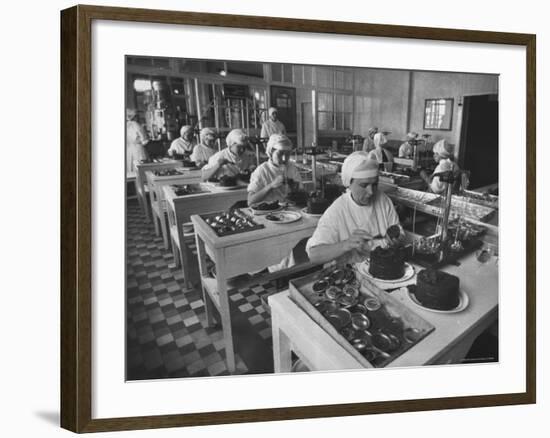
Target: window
335,111
281,73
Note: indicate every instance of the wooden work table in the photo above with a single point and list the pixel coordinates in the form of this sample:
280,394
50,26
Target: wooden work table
141,179
239,254
157,205
181,208
294,330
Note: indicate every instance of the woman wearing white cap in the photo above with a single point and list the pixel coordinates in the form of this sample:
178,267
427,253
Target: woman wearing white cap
406,149
270,180
380,154
229,161
347,229
136,139
443,156
368,144
205,149
272,125
184,144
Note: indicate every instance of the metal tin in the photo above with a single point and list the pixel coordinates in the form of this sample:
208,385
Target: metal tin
346,300
411,335
359,321
372,303
359,308
350,291
340,318
382,341
332,292
320,286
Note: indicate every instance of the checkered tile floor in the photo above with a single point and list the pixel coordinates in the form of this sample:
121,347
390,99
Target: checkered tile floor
167,333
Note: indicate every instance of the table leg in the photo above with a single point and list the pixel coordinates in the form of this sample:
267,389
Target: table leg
225,314
282,358
185,263
163,228
203,270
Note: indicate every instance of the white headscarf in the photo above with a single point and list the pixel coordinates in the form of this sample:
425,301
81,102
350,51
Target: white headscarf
206,131
358,165
373,130
235,136
411,135
278,141
130,113
184,129
379,139
272,110
443,149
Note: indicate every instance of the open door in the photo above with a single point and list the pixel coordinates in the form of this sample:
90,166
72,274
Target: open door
479,139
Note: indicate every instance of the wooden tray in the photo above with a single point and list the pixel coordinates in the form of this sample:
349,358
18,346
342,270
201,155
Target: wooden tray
301,292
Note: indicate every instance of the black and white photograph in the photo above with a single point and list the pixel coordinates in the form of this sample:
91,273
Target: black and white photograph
286,218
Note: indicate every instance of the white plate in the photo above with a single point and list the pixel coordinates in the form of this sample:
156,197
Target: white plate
462,303
286,217
304,211
408,274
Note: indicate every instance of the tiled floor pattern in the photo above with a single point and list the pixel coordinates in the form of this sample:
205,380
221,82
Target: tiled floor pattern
167,334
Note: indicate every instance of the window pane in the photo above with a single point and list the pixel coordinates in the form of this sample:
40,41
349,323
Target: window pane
339,79
298,75
325,120
325,102
347,121
348,103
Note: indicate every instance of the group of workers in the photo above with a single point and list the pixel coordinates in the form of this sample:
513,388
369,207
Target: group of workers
352,226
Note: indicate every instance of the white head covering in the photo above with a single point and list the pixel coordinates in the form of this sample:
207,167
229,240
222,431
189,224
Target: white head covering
272,110
206,131
278,141
373,130
185,128
379,139
130,113
358,165
412,135
443,149
235,136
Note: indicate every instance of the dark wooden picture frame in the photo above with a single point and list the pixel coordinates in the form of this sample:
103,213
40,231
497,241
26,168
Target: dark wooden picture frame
76,217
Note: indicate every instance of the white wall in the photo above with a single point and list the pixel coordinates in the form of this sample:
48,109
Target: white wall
30,219
430,85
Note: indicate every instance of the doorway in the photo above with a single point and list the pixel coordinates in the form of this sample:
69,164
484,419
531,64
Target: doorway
479,139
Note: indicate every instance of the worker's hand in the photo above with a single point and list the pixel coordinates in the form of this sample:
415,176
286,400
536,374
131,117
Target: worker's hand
277,182
357,240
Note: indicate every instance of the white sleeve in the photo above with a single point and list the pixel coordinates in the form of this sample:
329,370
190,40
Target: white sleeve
326,232
255,183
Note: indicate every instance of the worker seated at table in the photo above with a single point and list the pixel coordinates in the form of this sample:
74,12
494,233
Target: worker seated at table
273,180
184,144
230,161
380,154
356,222
443,156
406,149
205,149
368,144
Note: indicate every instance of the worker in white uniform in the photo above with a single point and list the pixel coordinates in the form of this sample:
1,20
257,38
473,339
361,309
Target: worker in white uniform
356,222
368,144
206,148
406,149
232,160
380,154
136,139
443,156
184,144
272,125
272,180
